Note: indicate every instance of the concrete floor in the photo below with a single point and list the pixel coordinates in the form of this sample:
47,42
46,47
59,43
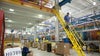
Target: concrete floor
37,52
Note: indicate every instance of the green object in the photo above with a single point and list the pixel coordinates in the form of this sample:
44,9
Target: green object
12,40
24,54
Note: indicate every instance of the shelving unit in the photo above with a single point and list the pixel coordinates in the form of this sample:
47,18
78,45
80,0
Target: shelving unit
89,29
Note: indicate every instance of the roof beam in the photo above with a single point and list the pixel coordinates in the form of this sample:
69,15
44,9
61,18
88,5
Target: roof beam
29,4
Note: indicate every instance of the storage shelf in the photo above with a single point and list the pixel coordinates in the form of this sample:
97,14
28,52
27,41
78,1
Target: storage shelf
87,22
92,41
89,30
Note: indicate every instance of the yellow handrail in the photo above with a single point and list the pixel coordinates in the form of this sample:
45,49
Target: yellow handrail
70,35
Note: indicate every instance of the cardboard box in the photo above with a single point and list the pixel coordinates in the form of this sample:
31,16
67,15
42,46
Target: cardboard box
35,45
67,49
44,46
39,46
63,49
59,48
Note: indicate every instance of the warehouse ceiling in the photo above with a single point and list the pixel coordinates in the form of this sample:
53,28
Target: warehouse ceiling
19,17
23,17
79,8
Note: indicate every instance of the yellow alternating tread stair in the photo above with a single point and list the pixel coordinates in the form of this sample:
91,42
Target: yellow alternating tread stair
72,35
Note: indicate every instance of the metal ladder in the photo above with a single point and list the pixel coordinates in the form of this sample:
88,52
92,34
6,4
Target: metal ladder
72,35
2,30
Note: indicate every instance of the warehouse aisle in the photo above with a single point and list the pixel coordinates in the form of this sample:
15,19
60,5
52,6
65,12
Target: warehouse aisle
37,52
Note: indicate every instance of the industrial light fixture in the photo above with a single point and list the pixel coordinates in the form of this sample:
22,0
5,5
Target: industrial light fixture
41,24
6,18
29,33
30,23
9,21
94,3
40,16
12,10
70,12
44,25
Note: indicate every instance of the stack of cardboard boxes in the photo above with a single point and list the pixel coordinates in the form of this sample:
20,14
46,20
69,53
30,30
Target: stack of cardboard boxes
43,46
67,47
35,44
62,48
59,48
39,46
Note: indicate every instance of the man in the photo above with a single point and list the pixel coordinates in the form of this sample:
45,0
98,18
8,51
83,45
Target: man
67,20
25,50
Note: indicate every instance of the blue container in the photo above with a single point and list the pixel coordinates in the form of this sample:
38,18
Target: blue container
66,40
